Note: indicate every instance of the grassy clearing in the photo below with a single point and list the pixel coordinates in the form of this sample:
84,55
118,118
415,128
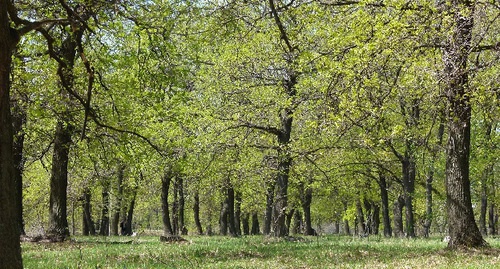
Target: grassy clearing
255,252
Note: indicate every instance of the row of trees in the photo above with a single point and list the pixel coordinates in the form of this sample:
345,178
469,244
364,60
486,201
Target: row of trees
283,112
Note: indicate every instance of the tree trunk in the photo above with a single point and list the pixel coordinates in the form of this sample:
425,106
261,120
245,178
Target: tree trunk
196,212
428,203
375,223
462,227
245,221
165,185
175,206
104,226
19,121
269,208
180,189
230,209
361,228
297,222
130,213
408,165
9,231
237,213
58,222
347,229
385,205
284,164
306,199
88,223
492,220
119,196
398,217
255,224
369,215
289,217
223,225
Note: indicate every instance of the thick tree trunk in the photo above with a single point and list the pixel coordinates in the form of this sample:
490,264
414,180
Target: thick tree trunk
19,121
165,185
385,205
297,222
462,227
104,226
369,212
175,206
306,199
284,164
428,203
289,217
347,229
255,224
88,223
398,217
230,209
360,218
58,222
408,165
269,208
196,213
492,220
375,223
118,200
130,213
223,219
10,247
237,213
245,221
180,190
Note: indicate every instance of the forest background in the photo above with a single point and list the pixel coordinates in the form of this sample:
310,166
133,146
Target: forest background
247,117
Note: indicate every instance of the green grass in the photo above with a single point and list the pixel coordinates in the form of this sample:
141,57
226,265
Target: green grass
255,252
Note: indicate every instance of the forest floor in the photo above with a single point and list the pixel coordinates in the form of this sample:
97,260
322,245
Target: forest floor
256,252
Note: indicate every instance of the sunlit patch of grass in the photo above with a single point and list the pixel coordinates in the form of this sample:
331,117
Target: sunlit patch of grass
256,252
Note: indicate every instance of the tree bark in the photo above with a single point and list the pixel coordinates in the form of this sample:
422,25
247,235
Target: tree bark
9,231
398,217
245,221
428,203
408,165
88,223
58,222
118,200
269,208
130,213
223,224
462,227
104,226
306,199
375,223
361,228
196,212
19,121
180,190
297,222
347,229
255,224
165,185
492,220
385,205
237,213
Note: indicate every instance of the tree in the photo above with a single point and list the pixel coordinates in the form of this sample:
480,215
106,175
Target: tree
462,226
